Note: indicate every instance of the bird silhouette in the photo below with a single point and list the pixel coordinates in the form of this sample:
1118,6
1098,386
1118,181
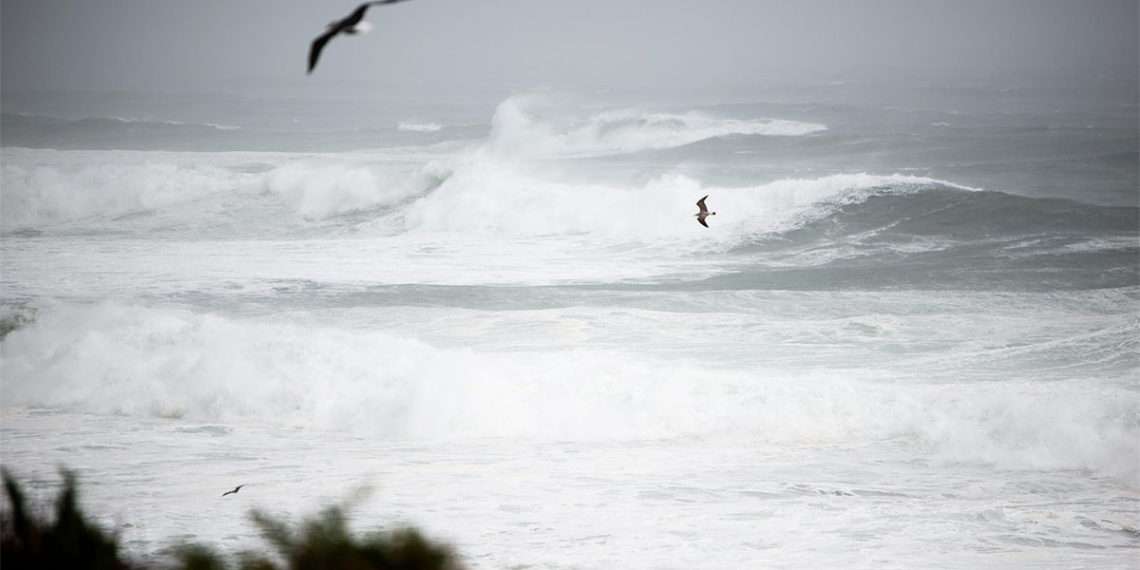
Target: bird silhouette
351,25
234,491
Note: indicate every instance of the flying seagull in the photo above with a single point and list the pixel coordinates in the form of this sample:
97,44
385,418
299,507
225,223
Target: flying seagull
351,25
704,213
236,489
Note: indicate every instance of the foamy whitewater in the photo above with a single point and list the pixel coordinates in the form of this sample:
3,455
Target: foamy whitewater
902,346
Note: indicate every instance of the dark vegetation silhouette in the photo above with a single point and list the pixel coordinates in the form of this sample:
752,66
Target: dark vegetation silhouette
16,317
70,540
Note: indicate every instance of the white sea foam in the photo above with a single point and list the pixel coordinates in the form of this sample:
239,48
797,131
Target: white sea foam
490,196
319,190
131,360
46,187
41,188
508,334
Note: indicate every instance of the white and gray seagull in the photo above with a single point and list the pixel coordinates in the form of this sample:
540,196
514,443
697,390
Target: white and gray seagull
351,25
704,211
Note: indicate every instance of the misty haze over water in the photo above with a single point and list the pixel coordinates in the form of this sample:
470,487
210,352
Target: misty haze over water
460,261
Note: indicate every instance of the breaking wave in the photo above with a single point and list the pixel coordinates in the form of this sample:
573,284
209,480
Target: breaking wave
486,196
478,194
41,187
507,186
321,191
146,192
877,220
519,128
175,363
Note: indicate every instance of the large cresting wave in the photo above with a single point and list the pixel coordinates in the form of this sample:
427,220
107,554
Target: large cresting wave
525,181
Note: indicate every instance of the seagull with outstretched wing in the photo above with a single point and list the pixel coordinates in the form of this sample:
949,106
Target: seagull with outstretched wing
351,25
234,491
704,211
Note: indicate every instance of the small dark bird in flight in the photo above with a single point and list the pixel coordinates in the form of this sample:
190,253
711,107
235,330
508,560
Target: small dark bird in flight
352,25
704,213
234,491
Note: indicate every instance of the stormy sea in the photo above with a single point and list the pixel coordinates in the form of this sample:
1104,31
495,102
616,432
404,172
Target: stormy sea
908,338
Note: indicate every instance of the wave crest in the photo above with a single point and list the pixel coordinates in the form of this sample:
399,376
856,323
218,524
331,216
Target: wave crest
48,187
98,190
518,129
490,196
322,191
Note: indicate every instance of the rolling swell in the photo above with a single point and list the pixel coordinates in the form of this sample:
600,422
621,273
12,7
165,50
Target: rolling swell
951,213
121,133
38,131
948,238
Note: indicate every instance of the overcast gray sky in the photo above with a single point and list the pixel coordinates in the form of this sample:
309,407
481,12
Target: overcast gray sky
204,45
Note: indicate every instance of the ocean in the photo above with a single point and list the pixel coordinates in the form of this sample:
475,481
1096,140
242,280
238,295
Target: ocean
908,339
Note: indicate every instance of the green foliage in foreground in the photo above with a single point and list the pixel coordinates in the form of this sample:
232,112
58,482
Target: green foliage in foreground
322,541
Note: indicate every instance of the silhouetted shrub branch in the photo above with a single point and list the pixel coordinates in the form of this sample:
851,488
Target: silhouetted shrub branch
69,541
323,541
